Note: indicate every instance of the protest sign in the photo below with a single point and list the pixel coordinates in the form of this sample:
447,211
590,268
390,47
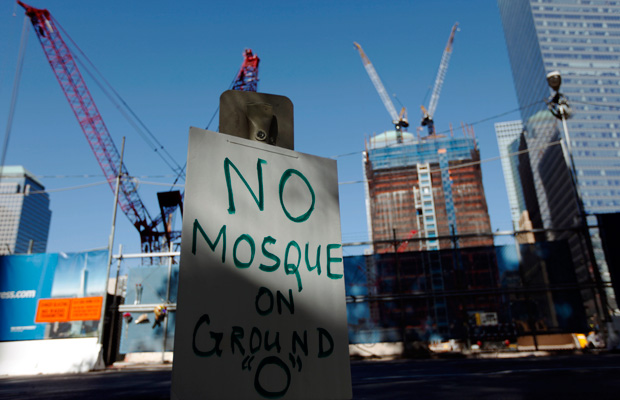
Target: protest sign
261,304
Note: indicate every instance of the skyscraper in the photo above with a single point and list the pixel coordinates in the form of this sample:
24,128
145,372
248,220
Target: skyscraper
508,135
24,212
581,40
425,189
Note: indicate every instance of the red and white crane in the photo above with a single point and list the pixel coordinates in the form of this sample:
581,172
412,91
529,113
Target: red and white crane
427,113
81,101
247,77
83,105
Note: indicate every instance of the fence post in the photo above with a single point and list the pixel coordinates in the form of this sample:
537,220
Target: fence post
114,305
399,288
163,350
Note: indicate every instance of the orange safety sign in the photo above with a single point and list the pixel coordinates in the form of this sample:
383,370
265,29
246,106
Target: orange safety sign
66,310
85,309
52,310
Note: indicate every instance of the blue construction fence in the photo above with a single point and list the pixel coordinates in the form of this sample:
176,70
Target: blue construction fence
479,293
52,295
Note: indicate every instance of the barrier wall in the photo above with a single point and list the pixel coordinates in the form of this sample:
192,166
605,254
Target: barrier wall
50,308
58,356
476,293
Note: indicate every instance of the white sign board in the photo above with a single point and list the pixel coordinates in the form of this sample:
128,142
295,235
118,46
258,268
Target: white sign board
261,305
488,319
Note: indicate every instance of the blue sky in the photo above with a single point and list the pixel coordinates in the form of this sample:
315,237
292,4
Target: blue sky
171,61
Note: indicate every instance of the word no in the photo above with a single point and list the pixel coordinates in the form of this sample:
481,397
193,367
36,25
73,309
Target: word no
260,200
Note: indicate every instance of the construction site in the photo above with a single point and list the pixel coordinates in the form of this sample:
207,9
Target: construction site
427,189
424,189
431,270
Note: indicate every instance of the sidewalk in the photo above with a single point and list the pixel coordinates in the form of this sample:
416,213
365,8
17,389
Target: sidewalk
147,360
359,353
125,366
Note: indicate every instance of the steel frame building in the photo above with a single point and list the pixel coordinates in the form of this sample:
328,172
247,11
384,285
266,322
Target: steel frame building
424,188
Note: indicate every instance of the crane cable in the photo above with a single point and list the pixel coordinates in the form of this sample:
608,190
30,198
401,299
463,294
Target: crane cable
33,192
470,163
142,182
18,74
182,172
156,146
478,122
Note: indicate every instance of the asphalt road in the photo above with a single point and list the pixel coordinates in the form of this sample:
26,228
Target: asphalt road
584,377
559,377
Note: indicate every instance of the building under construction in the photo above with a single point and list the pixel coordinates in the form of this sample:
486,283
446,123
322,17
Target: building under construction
425,193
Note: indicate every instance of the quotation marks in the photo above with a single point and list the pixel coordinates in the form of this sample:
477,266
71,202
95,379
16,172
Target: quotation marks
247,363
291,357
271,361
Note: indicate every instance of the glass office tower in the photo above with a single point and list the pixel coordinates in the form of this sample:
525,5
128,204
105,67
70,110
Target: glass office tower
508,135
25,213
581,40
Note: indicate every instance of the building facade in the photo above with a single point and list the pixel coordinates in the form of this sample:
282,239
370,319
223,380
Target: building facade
581,40
508,135
25,213
424,193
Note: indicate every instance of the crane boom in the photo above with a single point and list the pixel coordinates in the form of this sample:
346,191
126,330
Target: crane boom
72,83
374,77
441,75
399,121
247,77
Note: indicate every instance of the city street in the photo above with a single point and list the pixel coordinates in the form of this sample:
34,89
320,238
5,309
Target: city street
558,377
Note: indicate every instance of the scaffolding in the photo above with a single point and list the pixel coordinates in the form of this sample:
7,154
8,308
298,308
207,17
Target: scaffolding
432,186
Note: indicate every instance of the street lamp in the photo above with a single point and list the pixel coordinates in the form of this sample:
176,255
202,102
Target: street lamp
558,106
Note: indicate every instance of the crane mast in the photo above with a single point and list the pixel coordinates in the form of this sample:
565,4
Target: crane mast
427,119
399,120
81,101
247,77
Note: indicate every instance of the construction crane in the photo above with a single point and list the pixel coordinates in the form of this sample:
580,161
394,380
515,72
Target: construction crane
399,120
427,113
245,80
72,83
247,77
